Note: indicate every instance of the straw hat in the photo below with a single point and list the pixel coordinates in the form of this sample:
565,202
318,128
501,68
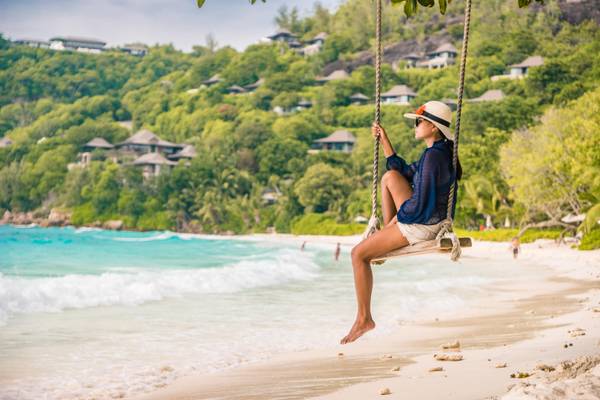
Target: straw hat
438,114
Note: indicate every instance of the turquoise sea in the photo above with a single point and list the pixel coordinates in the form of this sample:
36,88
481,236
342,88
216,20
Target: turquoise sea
87,313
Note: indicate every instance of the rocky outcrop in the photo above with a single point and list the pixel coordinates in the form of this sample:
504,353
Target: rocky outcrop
59,218
56,217
114,225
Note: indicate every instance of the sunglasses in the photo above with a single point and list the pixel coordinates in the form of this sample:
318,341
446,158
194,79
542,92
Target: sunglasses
418,121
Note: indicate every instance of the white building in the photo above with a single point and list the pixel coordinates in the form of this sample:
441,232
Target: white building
40,44
400,95
153,164
135,49
83,45
145,141
520,70
338,141
315,45
441,57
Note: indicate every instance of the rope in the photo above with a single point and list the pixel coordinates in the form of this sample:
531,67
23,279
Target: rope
461,89
373,225
446,230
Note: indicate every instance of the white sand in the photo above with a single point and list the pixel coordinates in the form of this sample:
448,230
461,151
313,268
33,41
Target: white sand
528,327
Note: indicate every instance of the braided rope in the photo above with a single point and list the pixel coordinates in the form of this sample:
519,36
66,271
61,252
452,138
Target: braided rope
447,225
461,89
374,221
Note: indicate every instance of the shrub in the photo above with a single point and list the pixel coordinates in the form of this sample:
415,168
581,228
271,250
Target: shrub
321,224
591,241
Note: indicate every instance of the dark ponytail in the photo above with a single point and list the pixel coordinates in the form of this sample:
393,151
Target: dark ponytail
450,145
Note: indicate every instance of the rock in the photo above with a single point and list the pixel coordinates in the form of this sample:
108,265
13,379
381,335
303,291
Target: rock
436,369
115,225
340,354
386,356
166,368
58,217
22,218
545,367
6,218
503,365
385,391
451,345
395,369
448,357
577,332
520,375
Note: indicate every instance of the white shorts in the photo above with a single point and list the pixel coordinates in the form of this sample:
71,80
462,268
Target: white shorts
416,233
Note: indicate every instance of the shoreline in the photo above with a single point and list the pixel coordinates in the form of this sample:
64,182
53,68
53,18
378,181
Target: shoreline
526,325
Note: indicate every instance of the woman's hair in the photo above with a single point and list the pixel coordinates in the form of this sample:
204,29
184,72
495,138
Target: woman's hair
450,144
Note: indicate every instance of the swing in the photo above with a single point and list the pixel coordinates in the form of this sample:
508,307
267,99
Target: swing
446,240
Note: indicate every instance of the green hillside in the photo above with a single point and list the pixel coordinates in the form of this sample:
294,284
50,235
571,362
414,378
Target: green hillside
531,156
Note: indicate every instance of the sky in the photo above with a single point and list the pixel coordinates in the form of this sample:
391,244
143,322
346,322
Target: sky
180,22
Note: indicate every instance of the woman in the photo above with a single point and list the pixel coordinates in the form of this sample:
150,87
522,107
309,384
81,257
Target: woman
414,202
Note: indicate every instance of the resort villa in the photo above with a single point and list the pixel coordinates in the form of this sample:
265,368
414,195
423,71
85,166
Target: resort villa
520,70
5,142
400,95
341,140
337,75
83,45
38,44
441,57
490,95
144,149
358,99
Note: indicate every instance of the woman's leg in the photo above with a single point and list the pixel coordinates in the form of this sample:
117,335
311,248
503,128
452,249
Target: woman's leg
381,242
395,190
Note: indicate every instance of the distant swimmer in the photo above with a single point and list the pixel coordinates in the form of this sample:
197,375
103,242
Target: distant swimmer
515,246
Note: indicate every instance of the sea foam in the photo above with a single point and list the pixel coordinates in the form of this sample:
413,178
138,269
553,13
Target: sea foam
54,294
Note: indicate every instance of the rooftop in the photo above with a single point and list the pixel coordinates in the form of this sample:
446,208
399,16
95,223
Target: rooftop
446,47
78,39
146,137
188,151
216,78
153,159
335,76
533,61
399,90
490,95
340,136
358,96
99,143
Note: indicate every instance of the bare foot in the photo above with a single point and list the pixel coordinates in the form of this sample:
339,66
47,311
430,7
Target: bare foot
358,329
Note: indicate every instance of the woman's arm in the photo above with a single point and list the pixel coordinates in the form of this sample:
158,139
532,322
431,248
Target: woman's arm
378,130
392,160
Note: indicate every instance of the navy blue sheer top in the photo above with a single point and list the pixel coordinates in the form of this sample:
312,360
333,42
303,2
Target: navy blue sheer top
430,178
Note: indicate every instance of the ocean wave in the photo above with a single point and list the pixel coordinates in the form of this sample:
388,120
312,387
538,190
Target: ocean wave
23,295
86,229
166,235
28,226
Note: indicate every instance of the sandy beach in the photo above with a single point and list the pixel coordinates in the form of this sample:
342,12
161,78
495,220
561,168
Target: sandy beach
535,329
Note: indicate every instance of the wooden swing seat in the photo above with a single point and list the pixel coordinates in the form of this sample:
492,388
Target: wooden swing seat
443,245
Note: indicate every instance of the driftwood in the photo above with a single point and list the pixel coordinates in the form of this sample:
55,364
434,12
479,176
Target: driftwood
547,224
